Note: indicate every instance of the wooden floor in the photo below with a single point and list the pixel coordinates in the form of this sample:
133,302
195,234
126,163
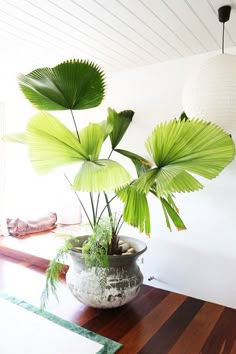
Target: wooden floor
156,322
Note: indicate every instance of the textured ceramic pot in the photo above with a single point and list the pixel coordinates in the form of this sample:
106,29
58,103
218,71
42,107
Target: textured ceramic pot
123,278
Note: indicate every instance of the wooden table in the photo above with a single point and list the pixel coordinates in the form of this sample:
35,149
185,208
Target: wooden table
156,322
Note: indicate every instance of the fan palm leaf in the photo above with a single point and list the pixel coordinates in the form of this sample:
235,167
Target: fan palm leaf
194,145
141,164
52,144
100,176
91,139
179,148
136,209
74,85
171,213
183,147
120,123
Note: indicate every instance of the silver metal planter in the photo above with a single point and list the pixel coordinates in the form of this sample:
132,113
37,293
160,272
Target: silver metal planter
123,278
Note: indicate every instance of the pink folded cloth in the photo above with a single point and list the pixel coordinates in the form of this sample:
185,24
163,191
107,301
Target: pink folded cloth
18,227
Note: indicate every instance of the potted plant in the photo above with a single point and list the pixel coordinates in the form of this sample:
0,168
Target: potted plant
104,271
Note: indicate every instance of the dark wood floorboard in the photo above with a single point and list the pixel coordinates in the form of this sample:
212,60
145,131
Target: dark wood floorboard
164,339
222,337
156,322
115,325
197,332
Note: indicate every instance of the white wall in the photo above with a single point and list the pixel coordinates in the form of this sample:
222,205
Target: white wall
201,261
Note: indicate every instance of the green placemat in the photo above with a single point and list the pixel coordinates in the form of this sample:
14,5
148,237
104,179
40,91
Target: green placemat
109,346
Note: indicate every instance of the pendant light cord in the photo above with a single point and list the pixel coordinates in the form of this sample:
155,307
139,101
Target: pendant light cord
223,39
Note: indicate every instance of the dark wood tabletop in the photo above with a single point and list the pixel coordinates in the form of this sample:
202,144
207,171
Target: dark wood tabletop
156,322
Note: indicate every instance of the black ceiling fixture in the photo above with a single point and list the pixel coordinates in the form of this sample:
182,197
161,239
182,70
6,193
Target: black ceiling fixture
223,16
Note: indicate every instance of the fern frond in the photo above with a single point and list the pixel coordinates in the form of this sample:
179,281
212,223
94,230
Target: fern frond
53,273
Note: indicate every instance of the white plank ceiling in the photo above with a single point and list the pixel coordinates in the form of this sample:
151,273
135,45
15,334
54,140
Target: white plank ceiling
117,34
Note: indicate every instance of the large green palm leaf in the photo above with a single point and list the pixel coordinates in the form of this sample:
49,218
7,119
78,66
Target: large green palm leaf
120,123
167,180
74,84
51,144
136,209
100,176
179,148
195,146
91,139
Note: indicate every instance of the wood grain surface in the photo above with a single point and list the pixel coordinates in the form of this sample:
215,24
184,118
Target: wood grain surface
156,322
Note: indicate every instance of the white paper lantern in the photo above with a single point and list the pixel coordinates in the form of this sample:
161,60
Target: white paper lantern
210,93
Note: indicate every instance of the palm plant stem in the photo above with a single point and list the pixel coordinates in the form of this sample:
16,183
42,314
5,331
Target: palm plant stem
93,209
118,229
117,224
83,207
110,154
73,117
105,207
109,212
97,204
